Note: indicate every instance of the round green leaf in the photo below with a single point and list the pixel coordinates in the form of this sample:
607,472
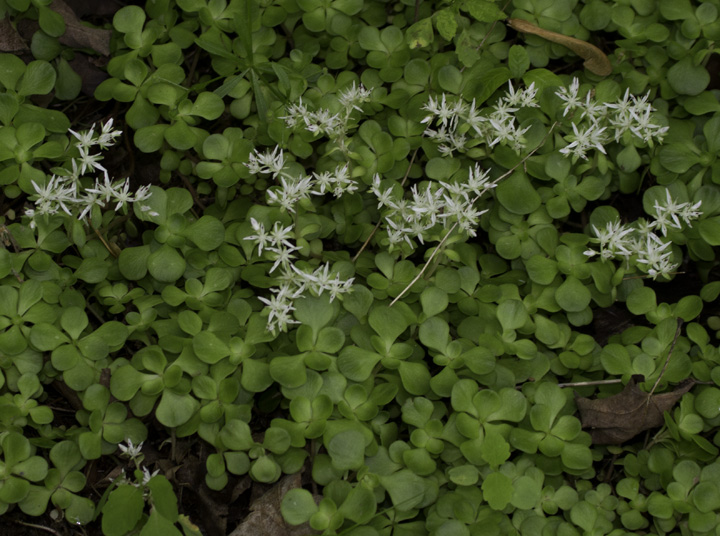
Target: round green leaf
498,490
39,79
165,264
129,19
641,301
517,195
298,506
688,79
572,295
347,450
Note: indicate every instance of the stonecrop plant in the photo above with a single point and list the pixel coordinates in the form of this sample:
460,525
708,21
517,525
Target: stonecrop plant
360,268
74,192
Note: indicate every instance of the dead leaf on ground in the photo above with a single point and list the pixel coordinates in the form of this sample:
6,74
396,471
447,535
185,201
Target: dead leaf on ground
595,59
77,35
10,39
621,417
265,518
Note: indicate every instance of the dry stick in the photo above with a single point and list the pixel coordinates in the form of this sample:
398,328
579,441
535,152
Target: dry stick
377,225
585,384
39,527
447,235
667,361
579,384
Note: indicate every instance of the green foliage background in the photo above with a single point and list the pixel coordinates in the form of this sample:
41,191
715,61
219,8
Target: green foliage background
441,414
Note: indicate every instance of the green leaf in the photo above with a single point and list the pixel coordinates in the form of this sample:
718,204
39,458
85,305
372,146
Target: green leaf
517,195
406,489
527,493
512,314
387,322
360,505
314,311
175,409
518,60
688,79
445,23
163,497
676,9
298,506
288,371
157,524
46,337
688,308
123,510
11,69
165,264
572,295
209,347
236,435
494,449
641,301
129,19
434,333
50,21
180,136
39,79
357,364
347,450
707,403
498,490
420,34
483,10
434,301
208,106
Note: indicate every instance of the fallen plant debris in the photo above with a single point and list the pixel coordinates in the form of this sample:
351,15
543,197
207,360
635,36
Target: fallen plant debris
618,418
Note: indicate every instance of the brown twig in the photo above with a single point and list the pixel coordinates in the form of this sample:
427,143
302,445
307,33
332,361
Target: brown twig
39,527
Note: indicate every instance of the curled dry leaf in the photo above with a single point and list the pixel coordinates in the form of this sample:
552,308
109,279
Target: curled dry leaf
10,40
77,35
265,518
595,59
621,417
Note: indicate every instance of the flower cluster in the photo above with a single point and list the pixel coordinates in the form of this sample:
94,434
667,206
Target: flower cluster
276,243
295,282
134,452
496,125
441,204
70,192
600,123
641,243
324,121
294,188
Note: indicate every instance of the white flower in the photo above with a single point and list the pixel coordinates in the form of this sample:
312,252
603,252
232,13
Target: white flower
89,161
280,315
261,237
584,139
570,96
86,138
353,96
130,450
147,476
283,256
267,162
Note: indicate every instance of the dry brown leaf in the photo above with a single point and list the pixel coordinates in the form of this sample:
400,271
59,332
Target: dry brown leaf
77,35
265,518
595,59
10,40
621,417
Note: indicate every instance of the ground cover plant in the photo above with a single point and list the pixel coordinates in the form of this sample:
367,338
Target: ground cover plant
359,267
